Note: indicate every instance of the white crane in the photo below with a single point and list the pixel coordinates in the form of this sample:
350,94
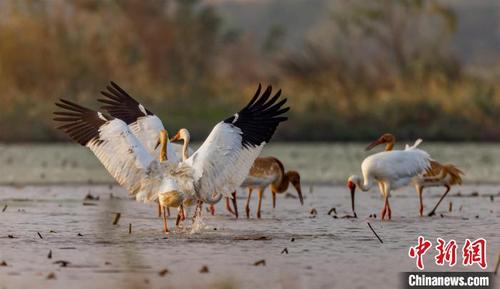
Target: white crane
391,170
144,124
439,175
220,164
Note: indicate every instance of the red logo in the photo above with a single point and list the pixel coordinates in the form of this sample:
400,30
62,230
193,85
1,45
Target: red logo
474,252
447,252
419,251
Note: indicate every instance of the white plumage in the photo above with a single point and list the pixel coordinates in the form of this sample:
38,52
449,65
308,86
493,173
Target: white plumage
219,165
391,170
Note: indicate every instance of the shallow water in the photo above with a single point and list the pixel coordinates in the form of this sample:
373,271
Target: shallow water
328,163
326,252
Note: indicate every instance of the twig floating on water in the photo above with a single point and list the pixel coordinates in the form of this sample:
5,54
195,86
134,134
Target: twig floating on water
3,263
4,208
252,238
11,236
50,254
89,204
163,272
51,276
332,210
369,225
285,251
39,235
130,228
117,218
260,263
204,269
313,212
63,263
90,197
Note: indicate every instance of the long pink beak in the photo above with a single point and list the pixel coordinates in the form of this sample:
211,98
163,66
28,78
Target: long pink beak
372,145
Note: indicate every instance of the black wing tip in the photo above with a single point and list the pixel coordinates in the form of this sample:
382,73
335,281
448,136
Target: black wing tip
80,123
120,104
259,119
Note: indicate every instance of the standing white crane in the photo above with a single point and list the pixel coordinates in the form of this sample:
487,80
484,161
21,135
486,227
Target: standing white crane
184,135
391,170
439,175
220,164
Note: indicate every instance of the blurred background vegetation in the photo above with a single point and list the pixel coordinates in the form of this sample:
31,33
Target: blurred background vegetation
351,69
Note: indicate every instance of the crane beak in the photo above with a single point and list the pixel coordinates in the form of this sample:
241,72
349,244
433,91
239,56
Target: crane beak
352,187
373,144
299,191
176,137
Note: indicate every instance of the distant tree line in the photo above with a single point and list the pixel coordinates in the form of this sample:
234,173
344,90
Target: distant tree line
381,65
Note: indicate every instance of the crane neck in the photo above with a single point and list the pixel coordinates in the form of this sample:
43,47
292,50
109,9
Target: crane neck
163,144
389,146
364,185
185,147
282,185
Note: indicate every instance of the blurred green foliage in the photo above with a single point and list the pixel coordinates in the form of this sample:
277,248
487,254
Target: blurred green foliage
384,65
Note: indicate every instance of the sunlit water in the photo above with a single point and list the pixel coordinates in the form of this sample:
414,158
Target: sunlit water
324,251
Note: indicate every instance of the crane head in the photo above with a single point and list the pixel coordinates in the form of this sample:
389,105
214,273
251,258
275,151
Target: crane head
182,134
351,184
294,178
384,139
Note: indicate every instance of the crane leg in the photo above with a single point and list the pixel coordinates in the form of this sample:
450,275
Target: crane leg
168,212
235,205
387,206
247,204
433,212
421,203
228,206
165,225
212,209
183,213
384,210
389,212
260,202
197,210
159,210
274,199
179,215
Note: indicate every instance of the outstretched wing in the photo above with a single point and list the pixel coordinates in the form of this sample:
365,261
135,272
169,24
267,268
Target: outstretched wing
144,124
111,140
223,161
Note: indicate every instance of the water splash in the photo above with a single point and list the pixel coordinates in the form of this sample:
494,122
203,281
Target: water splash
198,224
